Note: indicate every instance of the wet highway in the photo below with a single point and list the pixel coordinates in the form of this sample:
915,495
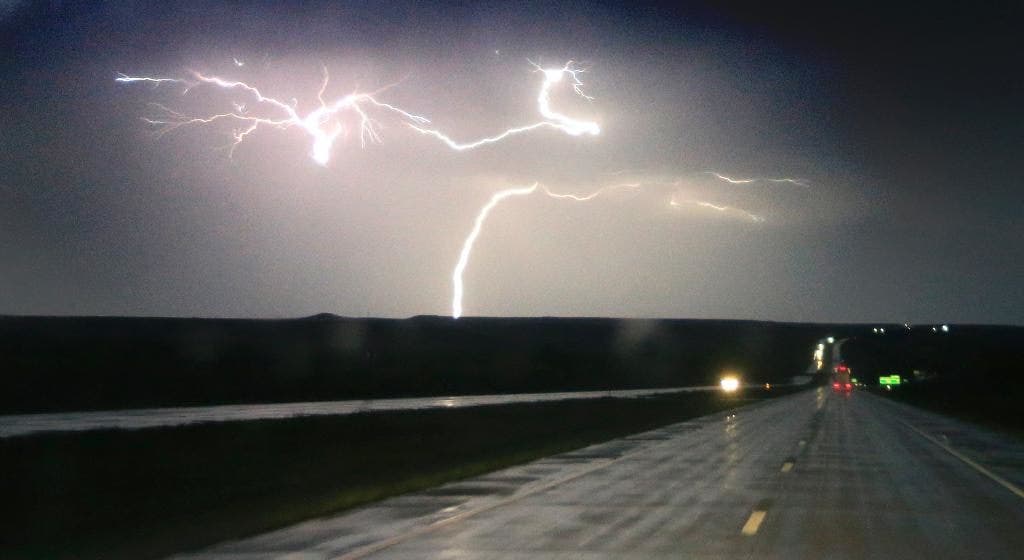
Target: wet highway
812,475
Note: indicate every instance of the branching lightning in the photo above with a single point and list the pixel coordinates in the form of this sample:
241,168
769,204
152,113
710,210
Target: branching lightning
552,118
252,110
721,177
323,124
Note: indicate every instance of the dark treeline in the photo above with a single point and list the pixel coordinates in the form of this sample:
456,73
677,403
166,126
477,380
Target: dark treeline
80,363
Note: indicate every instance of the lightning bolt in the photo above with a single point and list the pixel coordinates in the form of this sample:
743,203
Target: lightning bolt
467,245
552,119
326,123
323,124
481,217
721,177
124,78
724,209
503,195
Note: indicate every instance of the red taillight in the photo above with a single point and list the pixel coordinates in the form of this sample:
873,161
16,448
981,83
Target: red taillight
835,385
849,386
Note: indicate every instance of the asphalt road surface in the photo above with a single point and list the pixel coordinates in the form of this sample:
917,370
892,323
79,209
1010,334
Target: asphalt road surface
812,475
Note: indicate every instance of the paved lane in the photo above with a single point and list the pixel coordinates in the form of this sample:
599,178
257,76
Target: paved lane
813,475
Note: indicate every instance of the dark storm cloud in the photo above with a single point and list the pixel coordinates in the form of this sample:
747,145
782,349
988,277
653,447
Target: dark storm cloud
903,122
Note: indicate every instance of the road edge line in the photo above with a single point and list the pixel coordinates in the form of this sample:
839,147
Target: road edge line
968,461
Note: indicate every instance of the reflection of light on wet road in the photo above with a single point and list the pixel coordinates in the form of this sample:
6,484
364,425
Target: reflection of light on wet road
672,493
819,356
23,424
732,450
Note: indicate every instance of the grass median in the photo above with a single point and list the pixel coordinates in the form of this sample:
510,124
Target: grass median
148,493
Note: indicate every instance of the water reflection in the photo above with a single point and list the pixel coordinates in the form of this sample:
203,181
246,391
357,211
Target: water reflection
24,424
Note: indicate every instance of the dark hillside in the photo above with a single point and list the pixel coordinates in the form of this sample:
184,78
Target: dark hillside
78,363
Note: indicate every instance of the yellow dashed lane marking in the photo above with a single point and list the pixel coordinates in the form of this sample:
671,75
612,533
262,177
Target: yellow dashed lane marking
754,523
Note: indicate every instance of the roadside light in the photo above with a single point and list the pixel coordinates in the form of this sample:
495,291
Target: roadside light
730,383
830,339
768,386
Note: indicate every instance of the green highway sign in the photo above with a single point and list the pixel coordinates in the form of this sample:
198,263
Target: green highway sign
889,380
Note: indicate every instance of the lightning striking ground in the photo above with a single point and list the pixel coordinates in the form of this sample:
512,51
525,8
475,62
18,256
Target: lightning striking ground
467,245
485,211
323,124
552,118
502,195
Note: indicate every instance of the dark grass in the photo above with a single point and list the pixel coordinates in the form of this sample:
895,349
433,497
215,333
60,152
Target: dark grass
147,493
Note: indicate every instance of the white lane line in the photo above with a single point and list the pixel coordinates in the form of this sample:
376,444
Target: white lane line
754,523
968,461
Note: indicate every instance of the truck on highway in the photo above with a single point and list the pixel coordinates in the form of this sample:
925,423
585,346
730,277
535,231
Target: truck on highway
841,378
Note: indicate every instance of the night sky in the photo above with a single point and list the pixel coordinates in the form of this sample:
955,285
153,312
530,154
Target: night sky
904,124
